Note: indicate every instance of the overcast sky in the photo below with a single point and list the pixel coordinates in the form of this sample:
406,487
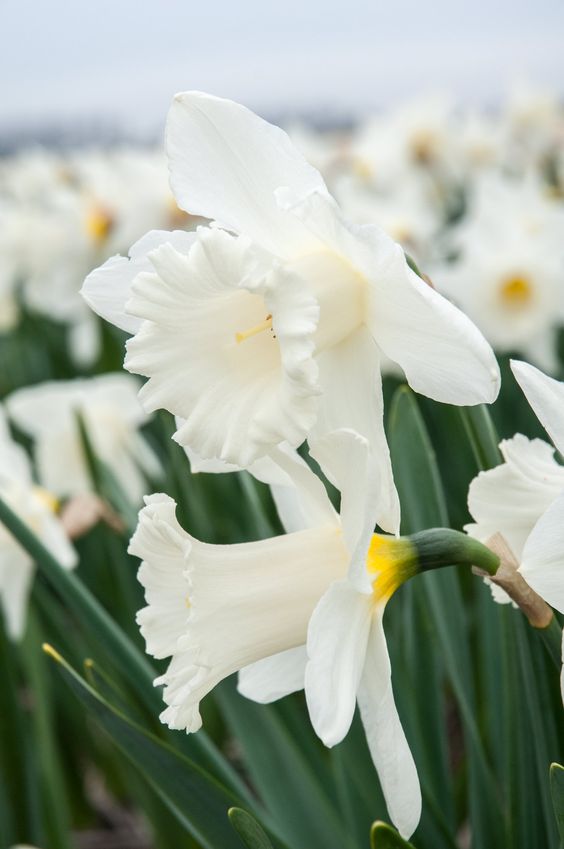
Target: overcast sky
122,60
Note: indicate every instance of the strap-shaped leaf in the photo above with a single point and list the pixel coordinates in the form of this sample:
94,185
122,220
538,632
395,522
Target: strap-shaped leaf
195,798
248,829
383,836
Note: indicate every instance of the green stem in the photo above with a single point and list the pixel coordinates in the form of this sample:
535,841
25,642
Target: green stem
440,547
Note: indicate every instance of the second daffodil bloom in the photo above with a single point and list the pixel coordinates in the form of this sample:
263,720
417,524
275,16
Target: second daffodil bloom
218,609
523,498
268,326
112,416
36,507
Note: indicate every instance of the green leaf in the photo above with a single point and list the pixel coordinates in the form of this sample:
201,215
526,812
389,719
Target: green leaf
482,435
423,506
557,791
126,657
248,829
286,780
197,800
383,836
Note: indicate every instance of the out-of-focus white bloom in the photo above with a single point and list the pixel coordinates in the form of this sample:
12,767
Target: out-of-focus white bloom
274,333
417,135
112,416
35,507
523,498
509,275
218,609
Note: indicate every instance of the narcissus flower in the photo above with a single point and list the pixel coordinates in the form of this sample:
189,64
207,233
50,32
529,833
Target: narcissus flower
36,507
523,498
216,609
111,414
269,326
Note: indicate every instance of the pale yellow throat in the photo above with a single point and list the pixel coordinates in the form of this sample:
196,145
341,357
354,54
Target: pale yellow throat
254,331
516,292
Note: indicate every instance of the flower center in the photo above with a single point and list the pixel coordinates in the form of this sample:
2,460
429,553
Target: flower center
99,224
392,561
253,331
340,293
516,292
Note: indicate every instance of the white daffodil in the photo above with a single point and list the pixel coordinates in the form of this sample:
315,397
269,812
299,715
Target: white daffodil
509,274
270,329
35,507
523,498
253,606
112,416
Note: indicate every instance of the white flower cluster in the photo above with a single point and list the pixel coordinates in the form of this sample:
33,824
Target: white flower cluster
262,331
61,214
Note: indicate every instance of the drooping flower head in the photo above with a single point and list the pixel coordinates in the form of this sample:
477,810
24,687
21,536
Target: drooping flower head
112,416
254,606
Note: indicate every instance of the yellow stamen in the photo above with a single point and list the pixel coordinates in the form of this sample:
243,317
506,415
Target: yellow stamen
516,291
258,328
99,224
392,561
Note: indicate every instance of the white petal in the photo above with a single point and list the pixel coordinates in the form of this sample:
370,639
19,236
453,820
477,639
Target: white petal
274,677
237,399
346,459
16,574
336,647
510,498
226,163
440,350
107,289
351,386
542,564
546,397
386,739
442,353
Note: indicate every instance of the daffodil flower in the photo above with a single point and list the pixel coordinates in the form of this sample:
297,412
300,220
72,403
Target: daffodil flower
218,609
269,326
523,498
112,415
36,507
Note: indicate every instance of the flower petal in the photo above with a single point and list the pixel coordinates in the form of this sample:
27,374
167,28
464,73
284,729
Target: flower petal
16,574
346,459
510,498
274,677
386,738
226,163
442,353
336,647
107,289
542,564
546,397
351,387
237,400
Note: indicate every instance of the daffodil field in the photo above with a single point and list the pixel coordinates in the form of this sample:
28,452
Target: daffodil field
282,483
